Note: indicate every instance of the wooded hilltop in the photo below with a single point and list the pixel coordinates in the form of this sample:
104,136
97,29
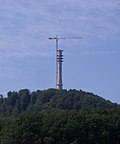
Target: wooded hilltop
58,117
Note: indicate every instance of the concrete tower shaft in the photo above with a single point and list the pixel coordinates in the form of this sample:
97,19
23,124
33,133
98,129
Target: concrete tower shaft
59,84
59,60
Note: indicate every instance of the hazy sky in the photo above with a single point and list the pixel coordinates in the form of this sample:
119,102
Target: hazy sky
27,56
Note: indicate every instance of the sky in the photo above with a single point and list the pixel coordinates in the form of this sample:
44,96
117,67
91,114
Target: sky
27,56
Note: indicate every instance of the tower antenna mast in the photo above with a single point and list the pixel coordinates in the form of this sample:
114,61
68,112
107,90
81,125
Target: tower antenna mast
59,60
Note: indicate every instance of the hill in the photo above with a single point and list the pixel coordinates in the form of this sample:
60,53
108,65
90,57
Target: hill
50,100
58,117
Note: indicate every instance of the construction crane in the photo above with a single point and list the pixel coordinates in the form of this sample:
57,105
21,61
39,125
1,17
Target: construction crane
59,60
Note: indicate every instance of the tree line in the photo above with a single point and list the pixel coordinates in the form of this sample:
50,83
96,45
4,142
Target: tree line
92,126
53,100
58,117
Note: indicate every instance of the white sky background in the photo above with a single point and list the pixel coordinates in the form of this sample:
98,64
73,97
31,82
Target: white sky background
27,57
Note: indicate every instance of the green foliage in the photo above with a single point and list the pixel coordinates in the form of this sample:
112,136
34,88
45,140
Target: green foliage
99,126
58,117
50,100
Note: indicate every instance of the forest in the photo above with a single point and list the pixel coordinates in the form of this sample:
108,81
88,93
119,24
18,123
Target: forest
58,117
50,100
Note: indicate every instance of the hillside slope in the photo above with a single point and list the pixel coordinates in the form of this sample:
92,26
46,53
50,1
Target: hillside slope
51,99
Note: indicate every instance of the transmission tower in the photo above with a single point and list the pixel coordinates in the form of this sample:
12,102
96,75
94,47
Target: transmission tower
59,60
